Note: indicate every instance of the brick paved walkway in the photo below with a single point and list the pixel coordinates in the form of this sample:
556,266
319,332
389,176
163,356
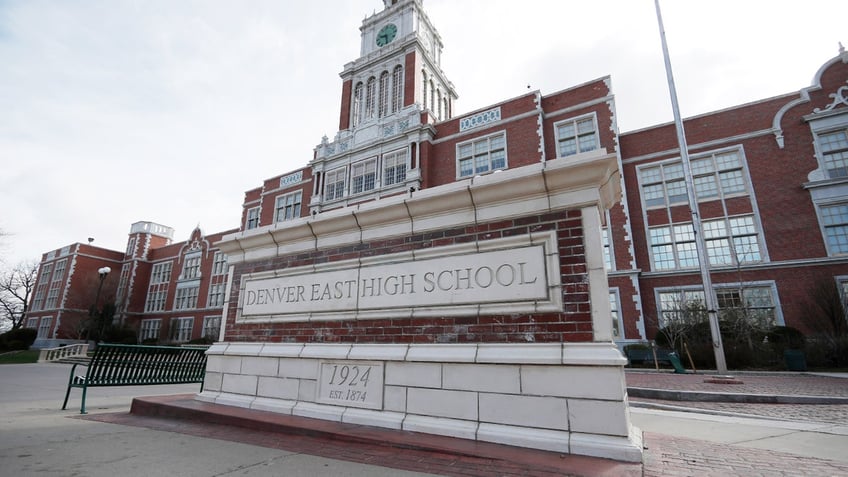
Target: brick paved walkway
677,456
780,384
783,384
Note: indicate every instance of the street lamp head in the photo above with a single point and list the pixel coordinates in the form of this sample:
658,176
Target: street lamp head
104,271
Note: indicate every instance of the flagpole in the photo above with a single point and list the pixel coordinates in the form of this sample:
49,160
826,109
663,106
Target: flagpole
703,261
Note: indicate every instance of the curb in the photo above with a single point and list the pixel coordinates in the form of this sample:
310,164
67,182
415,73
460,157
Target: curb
704,396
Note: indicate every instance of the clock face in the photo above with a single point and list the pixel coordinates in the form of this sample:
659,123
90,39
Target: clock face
386,34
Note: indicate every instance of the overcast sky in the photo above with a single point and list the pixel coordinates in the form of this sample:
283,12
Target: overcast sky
118,111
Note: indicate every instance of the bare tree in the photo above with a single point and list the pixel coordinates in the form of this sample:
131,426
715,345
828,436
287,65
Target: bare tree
16,287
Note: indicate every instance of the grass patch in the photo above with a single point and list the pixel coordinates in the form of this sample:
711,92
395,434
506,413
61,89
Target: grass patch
19,357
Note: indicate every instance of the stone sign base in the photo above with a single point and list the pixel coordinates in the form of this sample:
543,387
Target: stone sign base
568,398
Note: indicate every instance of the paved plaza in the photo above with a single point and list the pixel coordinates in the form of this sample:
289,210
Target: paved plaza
680,437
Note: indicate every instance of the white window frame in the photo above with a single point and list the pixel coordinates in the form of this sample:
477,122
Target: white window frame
44,327
615,314
363,176
384,99
822,154
181,328
397,88
334,184
576,135
191,266
211,327
471,154
824,227
395,167
370,98
216,295
32,323
219,263
356,103
287,206
252,221
157,290
698,292
682,249
186,295
150,328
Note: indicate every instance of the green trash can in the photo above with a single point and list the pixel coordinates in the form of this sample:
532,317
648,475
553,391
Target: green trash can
795,360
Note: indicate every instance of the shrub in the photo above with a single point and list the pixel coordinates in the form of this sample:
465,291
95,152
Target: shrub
201,341
20,338
120,335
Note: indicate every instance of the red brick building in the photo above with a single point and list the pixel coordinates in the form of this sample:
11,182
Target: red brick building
168,292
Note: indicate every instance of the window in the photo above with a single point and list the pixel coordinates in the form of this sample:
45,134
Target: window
211,327
181,329
673,246
481,155
714,176
617,333
718,175
432,96
334,184
607,251
834,151
663,185
191,267
732,240
357,104
383,104
363,176
749,302
149,330
56,284
370,97
157,291
576,135
122,283
41,288
424,92
252,218
439,104
44,327
397,88
219,263
52,295
186,297
394,167
32,323
728,241
216,295
288,207
834,219
131,247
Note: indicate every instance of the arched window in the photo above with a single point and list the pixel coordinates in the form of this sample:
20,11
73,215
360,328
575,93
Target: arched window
357,103
397,88
383,105
370,97
432,96
439,105
447,110
424,95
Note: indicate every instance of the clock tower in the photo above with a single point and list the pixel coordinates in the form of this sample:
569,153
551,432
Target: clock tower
399,65
391,97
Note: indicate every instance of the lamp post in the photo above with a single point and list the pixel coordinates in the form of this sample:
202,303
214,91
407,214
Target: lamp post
98,314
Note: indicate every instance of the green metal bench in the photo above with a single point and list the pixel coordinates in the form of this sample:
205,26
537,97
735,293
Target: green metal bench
133,365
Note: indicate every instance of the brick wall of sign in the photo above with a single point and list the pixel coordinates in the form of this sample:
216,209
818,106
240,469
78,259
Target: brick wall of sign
572,325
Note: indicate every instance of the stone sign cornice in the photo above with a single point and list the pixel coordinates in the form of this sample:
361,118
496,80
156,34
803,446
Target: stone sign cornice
583,180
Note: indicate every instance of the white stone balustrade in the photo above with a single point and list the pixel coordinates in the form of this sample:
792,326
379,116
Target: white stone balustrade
70,351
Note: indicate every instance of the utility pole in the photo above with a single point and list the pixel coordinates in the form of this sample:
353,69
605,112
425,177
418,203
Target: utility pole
703,260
